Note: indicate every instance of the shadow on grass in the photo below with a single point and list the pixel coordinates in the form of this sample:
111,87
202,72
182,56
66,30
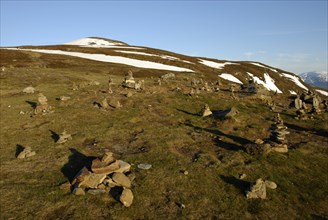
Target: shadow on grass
186,112
32,104
116,192
76,161
321,132
54,135
220,143
242,185
19,149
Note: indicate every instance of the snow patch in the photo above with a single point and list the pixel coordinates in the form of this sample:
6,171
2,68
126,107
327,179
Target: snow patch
322,92
98,43
230,77
152,55
296,80
268,82
112,59
215,64
257,64
292,92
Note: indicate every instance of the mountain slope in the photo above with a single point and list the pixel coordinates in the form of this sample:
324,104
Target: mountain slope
120,53
201,166
318,79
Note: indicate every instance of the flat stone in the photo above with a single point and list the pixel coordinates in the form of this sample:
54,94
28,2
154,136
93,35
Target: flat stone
122,180
96,191
242,176
78,191
81,176
65,186
93,180
101,168
29,90
144,166
124,167
270,184
280,149
108,158
126,198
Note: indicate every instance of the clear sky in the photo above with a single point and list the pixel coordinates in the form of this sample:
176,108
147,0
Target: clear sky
291,35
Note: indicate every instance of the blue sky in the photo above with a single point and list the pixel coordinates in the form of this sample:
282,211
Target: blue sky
291,35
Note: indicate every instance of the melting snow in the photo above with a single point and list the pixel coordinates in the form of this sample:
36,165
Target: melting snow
257,64
93,42
153,55
215,64
268,82
136,52
112,59
292,92
230,77
99,43
322,92
296,80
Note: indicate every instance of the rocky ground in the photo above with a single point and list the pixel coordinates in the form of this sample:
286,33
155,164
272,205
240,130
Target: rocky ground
201,167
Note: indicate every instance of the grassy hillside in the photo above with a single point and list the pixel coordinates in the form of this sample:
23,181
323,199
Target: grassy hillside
160,126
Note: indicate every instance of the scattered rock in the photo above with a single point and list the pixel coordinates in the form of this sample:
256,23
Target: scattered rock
259,141
63,137
144,166
127,197
27,152
270,184
64,98
168,76
257,190
29,90
205,111
242,176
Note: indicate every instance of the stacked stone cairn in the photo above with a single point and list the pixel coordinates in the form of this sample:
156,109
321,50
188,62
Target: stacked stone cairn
129,81
109,90
278,134
315,105
258,189
205,111
105,174
42,105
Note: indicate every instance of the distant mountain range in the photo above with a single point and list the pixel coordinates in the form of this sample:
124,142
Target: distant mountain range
314,78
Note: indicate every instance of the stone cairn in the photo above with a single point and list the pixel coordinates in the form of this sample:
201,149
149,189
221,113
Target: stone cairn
42,106
258,190
109,90
105,174
27,152
64,137
129,81
205,111
278,134
315,105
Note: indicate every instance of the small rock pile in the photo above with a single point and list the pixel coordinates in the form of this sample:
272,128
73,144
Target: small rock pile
278,135
105,174
129,81
63,137
27,152
205,111
42,106
258,190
